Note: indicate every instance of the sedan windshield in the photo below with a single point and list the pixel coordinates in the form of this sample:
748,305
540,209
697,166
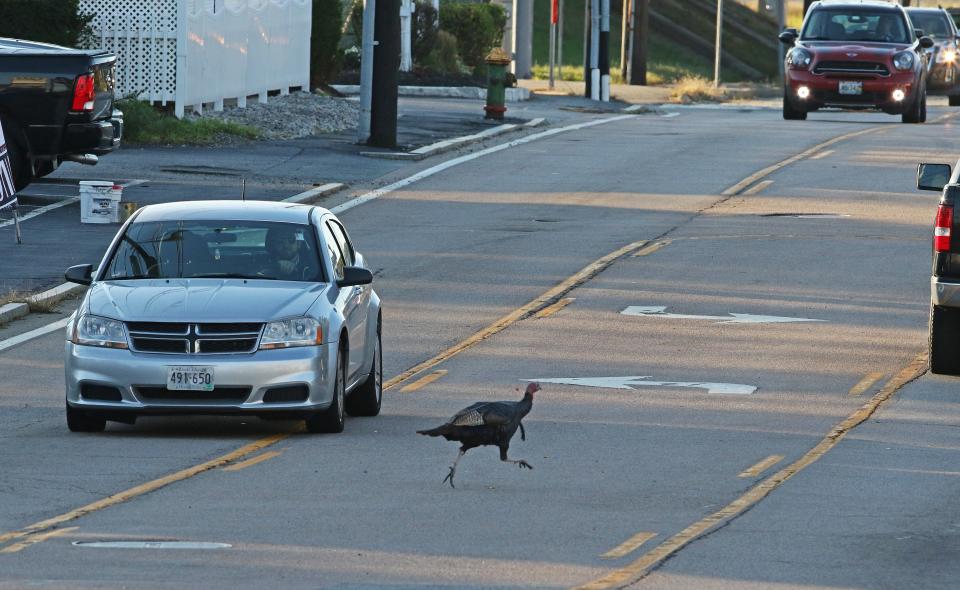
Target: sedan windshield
856,25
934,24
216,249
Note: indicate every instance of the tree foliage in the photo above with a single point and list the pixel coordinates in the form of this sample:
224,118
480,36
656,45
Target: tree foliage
325,53
478,27
49,21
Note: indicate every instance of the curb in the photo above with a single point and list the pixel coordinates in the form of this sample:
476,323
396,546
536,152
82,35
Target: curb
456,142
468,92
15,311
323,190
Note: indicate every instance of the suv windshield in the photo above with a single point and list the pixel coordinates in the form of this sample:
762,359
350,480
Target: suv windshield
933,24
216,249
856,24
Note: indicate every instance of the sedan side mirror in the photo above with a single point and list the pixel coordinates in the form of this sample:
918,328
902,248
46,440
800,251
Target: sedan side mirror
932,177
80,274
788,36
926,42
355,275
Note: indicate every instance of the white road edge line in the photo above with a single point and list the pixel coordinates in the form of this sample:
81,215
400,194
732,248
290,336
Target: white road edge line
43,210
370,196
365,198
28,336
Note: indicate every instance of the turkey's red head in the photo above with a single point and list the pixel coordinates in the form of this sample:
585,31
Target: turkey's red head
533,387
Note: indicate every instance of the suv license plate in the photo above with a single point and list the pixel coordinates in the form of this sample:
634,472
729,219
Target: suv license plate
851,87
190,378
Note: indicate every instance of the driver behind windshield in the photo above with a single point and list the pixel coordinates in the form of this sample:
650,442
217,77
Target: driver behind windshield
283,245
832,25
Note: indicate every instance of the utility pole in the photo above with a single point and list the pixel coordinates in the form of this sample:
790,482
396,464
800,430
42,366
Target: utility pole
595,49
718,49
366,71
605,50
638,42
781,24
560,41
587,45
386,74
522,38
625,38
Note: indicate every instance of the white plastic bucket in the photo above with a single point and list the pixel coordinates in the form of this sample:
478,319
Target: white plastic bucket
100,201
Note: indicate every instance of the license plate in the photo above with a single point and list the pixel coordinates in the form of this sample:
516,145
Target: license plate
190,378
851,87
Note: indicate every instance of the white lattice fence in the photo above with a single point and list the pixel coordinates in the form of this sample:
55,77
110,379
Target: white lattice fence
193,52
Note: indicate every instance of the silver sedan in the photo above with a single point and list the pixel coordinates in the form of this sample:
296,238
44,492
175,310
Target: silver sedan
226,307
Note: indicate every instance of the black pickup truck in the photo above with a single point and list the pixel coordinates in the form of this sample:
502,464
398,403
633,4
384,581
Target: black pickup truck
56,105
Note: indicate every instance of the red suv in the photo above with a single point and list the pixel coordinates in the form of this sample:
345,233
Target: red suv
856,55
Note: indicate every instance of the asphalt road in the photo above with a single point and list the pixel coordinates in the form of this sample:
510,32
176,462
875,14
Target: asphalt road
669,457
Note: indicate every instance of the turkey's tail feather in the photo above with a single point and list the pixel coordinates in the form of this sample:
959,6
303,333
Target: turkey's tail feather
438,431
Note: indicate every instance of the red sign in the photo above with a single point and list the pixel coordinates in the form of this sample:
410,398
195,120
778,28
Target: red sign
554,11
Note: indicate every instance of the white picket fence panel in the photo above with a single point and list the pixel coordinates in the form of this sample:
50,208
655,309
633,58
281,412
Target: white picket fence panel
196,52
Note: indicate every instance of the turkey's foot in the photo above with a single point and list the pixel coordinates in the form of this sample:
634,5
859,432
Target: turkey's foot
453,471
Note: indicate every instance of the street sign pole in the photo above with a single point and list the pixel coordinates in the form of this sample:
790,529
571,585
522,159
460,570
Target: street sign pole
554,9
716,59
16,224
366,71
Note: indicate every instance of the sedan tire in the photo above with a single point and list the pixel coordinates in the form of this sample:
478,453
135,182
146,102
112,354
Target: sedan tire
366,399
331,420
943,340
80,421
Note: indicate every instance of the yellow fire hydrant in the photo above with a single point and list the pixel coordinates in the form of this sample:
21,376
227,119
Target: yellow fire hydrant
497,62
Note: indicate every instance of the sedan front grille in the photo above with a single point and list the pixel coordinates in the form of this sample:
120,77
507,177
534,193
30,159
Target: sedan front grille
220,394
182,338
851,67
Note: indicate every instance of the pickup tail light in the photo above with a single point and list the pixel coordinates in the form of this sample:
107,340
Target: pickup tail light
944,225
83,94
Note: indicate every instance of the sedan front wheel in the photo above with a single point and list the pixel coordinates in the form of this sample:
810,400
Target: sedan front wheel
331,420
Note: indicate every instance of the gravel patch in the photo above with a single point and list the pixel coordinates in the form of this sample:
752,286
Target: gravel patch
300,114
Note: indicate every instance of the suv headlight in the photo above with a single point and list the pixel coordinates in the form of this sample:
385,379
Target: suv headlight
91,330
903,60
799,58
292,332
947,55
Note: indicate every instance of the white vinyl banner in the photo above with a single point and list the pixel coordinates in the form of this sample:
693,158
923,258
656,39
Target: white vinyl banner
8,195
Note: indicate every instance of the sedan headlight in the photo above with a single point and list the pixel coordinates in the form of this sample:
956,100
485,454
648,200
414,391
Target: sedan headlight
292,332
799,58
903,60
91,330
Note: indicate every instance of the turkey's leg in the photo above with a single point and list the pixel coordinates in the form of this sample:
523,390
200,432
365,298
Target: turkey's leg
518,462
453,468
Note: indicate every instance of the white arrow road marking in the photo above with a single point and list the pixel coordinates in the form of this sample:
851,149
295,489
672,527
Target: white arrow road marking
641,380
734,318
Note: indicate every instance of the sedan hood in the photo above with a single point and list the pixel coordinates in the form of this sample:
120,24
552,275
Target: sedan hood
202,300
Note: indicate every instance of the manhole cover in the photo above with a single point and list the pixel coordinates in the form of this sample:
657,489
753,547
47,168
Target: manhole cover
151,545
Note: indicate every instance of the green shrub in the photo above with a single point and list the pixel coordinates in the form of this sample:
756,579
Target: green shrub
425,30
143,123
49,21
325,53
478,28
444,58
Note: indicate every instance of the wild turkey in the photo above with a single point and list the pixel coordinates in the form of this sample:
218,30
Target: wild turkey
487,423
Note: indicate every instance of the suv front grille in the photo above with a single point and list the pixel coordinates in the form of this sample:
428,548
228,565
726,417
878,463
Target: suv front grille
207,338
851,67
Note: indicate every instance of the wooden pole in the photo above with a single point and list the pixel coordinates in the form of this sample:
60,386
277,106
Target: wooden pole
718,48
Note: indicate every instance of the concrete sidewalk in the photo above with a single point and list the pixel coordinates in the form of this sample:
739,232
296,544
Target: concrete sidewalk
621,92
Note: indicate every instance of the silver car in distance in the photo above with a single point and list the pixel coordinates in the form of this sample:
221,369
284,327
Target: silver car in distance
225,307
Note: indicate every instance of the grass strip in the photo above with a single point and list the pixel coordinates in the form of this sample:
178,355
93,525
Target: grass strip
145,124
